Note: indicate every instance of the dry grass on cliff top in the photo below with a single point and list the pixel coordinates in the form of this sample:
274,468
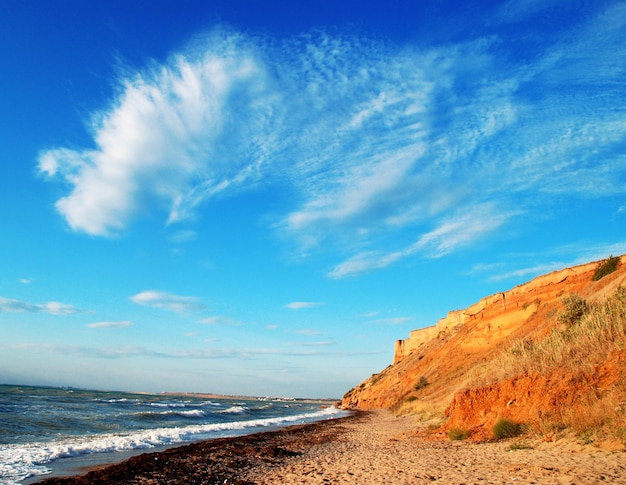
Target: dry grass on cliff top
587,334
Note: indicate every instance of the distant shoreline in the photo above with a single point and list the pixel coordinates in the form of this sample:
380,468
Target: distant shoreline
203,395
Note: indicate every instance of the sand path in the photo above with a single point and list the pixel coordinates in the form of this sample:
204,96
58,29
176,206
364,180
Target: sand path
383,449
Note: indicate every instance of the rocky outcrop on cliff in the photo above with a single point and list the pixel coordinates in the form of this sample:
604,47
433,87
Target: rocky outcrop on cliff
442,366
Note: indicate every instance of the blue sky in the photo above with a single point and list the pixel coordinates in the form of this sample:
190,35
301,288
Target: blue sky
261,197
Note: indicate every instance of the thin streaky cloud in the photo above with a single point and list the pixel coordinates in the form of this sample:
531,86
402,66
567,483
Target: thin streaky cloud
307,331
513,11
451,234
301,305
119,324
526,272
394,320
168,301
10,305
219,320
368,315
325,343
460,231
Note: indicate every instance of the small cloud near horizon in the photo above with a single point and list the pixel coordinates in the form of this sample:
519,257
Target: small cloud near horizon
307,331
394,320
218,320
167,301
300,305
368,314
324,343
10,305
120,324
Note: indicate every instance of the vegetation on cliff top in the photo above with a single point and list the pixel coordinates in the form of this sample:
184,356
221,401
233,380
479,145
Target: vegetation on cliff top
586,336
606,267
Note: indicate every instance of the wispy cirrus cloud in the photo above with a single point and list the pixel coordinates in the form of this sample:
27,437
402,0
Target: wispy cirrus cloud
463,230
513,11
376,140
168,301
10,305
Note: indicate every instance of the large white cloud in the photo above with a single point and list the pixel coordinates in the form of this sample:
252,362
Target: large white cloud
176,134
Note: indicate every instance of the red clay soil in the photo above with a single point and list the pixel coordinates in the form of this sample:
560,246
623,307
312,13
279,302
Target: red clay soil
558,397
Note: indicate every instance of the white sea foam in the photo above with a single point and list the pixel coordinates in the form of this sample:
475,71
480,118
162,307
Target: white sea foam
18,462
121,400
210,403
192,413
234,410
167,404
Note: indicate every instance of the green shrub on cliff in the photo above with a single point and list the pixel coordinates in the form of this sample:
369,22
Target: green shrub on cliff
505,428
606,267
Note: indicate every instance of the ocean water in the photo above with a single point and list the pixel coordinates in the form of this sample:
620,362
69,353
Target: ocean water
41,425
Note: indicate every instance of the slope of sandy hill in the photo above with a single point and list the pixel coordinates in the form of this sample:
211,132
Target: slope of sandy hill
458,367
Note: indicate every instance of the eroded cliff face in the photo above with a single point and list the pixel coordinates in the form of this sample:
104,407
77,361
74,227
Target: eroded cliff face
453,352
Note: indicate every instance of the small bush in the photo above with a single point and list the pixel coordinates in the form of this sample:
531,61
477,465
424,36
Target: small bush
458,434
422,383
575,309
606,267
505,428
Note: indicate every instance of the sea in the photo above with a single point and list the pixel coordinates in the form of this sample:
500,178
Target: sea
42,427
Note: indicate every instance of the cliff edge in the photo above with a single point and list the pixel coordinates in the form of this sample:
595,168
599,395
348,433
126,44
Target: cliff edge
459,368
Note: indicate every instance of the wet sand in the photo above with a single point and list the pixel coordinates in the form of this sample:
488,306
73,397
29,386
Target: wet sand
365,448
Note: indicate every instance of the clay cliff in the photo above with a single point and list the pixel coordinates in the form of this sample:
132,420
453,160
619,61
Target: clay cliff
458,367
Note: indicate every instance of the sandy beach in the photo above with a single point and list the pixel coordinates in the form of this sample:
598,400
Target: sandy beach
365,448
